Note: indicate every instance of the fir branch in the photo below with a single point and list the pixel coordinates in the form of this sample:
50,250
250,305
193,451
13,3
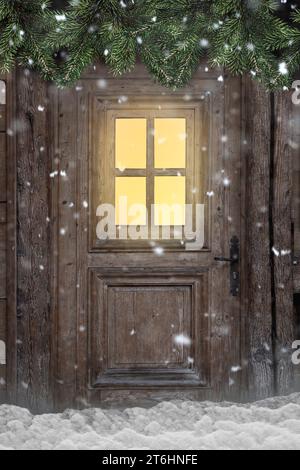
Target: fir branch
244,36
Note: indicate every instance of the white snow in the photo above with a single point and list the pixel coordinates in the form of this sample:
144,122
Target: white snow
186,425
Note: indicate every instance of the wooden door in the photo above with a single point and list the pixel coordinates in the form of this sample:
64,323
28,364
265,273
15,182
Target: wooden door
144,315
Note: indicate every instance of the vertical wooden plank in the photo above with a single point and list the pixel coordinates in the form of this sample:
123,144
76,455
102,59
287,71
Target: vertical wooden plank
11,280
257,117
2,261
3,346
3,242
226,175
232,166
33,312
2,114
66,211
282,240
84,209
222,325
2,212
53,95
295,150
2,167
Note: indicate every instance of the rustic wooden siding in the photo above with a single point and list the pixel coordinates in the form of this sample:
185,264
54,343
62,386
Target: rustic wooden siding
33,238
269,245
295,148
257,115
281,239
66,245
3,244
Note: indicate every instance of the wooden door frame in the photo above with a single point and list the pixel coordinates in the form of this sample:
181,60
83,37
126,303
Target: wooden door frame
73,382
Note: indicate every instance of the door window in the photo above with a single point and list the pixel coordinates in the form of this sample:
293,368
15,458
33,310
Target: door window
150,170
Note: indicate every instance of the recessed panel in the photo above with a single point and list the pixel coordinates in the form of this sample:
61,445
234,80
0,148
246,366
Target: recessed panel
148,329
131,143
145,324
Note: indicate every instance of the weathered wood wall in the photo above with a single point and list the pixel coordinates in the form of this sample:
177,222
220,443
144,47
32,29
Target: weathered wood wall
282,242
25,323
33,238
270,245
295,149
3,230
257,116
272,221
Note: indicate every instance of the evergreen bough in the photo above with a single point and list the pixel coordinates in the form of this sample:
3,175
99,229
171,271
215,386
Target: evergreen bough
170,36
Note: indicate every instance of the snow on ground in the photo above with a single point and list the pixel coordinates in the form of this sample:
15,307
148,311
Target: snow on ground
271,424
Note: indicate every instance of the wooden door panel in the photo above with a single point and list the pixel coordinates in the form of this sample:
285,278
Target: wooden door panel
144,329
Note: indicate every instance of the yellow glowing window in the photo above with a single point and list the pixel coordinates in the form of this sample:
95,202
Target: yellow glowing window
170,199
131,143
130,196
170,143
146,166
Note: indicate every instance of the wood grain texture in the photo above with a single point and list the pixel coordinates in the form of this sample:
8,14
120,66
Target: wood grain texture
28,366
234,193
224,210
296,275
282,240
3,338
3,206
3,118
64,213
133,325
83,181
295,151
11,215
3,261
257,117
33,309
2,167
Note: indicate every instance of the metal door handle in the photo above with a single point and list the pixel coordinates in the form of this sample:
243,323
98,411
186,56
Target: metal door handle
226,260
234,265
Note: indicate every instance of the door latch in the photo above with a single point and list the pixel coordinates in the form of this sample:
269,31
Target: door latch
234,261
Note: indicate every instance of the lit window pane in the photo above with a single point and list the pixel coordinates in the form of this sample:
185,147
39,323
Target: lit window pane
170,143
131,201
170,200
131,143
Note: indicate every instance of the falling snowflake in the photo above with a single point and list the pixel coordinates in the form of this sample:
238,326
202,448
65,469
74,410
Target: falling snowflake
182,340
60,18
283,68
158,250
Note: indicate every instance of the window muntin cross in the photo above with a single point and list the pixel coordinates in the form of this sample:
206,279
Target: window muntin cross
150,170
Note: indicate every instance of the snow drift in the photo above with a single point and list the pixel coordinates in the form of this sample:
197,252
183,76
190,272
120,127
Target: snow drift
186,425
